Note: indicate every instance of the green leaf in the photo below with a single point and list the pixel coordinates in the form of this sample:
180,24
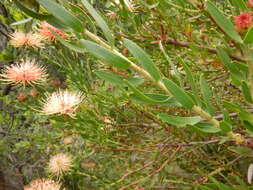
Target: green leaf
205,90
190,78
117,79
206,128
204,188
226,116
249,36
105,55
144,98
23,21
77,47
143,59
179,94
225,127
159,99
223,22
100,21
240,4
248,126
243,151
110,77
232,107
62,14
31,12
207,95
179,121
246,116
246,92
236,75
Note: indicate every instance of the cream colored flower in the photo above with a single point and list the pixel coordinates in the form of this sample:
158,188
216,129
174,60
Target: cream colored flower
25,72
43,184
60,163
62,102
19,39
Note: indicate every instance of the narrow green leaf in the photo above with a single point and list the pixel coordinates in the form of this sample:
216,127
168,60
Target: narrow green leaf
225,127
223,22
207,95
243,151
143,59
110,77
62,14
117,79
226,116
248,39
206,128
179,121
205,90
141,96
30,12
100,21
23,21
179,94
248,126
246,116
190,78
236,75
246,92
240,4
204,188
158,99
232,107
105,55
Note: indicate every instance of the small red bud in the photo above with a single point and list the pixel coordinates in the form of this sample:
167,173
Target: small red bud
21,97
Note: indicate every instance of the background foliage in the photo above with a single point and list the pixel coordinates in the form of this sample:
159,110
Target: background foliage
125,134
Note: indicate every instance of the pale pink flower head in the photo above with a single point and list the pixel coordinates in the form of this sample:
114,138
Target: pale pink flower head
243,21
45,31
62,102
250,3
18,39
43,184
25,72
60,163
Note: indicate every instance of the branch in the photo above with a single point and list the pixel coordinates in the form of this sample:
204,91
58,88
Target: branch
210,50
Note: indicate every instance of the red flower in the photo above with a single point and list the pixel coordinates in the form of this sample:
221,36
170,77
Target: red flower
45,31
243,21
21,97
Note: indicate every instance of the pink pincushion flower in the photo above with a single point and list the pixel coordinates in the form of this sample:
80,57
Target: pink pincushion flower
18,39
60,163
26,72
43,184
243,21
45,31
62,102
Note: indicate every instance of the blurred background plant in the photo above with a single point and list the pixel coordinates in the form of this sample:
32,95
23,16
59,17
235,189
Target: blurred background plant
128,132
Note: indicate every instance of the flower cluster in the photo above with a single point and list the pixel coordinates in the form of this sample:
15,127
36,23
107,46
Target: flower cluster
46,30
60,163
243,21
25,72
62,102
18,39
43,184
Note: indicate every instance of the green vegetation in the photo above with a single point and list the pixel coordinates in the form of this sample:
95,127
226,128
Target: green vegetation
130,94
